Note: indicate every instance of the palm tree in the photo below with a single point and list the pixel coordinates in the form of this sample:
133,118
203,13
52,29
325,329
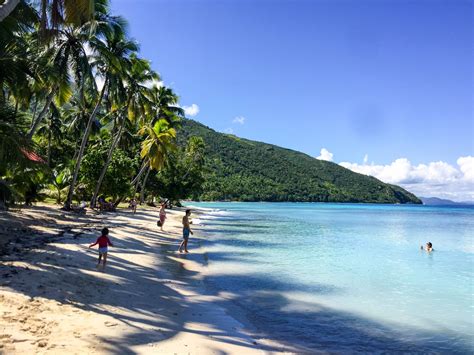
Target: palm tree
15,53
55,12
157,146
65,52
51,129
106,64
165,107
127,78
135,95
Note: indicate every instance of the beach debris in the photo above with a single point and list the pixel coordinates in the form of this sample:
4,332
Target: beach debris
42,344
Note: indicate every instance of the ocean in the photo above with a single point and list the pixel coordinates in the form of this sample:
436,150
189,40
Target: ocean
346,277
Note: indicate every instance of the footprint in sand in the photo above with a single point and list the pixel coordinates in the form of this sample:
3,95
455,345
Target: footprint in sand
42,343
110,324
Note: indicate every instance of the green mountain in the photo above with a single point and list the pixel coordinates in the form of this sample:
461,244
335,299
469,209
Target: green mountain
243,170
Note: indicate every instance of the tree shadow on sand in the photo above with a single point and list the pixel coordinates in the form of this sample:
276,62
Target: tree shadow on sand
65,275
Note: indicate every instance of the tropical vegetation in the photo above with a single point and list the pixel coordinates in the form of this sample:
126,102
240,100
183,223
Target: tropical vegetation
238,169
82,115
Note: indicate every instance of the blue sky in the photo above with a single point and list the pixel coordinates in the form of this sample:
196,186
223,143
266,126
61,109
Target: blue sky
380,79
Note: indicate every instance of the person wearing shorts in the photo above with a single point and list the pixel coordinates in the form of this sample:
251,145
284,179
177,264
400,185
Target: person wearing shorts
186,231
104,243
162,215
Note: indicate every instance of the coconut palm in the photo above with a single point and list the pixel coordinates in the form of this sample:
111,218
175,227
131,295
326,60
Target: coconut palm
165,107
158,144
127,76
106,64
54,12
134,95
51,129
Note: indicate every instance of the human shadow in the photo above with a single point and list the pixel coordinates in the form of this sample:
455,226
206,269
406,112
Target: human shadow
67,276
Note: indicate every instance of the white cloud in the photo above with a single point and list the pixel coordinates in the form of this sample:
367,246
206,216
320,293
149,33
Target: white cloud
466,165
366,158
325,155
191,111
438,179
239,120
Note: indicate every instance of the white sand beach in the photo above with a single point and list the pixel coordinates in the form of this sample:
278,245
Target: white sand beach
150,299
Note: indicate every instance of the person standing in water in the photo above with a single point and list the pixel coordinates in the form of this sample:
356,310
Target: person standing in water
186,231
162,215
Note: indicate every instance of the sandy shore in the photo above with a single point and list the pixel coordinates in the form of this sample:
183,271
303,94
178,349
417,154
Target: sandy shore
150,299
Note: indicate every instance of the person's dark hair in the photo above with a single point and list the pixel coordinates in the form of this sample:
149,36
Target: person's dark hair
105,231
188,211
430,245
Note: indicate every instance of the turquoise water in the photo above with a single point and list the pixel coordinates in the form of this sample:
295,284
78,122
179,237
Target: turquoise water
345,277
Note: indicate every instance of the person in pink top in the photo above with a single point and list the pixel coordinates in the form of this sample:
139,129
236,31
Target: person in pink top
104,242
162,215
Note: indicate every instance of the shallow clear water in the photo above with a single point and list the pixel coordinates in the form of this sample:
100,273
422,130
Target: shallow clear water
347,277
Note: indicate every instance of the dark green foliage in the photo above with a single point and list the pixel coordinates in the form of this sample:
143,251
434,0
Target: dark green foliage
244,170
183,176
117,179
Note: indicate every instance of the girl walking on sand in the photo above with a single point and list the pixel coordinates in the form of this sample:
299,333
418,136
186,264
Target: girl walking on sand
104,242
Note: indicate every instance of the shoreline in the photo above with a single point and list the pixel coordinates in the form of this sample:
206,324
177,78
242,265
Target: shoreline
150,298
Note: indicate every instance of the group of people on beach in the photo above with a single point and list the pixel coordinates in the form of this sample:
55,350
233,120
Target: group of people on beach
103,241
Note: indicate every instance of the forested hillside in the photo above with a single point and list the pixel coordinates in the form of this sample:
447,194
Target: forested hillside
244,170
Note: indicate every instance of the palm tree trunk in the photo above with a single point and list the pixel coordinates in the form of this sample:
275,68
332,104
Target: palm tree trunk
85,138
7,8
107,162
43,113
49,147
138,178
16,108
140,172
134,181
35,107
142,192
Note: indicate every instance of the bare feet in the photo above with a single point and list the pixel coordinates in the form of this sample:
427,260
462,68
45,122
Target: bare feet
186,251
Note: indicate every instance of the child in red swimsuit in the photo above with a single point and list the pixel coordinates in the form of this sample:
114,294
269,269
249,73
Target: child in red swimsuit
103,242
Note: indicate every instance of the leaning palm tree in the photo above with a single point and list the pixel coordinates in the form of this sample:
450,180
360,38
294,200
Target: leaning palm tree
105,67
127,91
65,55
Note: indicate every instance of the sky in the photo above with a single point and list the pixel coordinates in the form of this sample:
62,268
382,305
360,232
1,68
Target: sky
382,87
